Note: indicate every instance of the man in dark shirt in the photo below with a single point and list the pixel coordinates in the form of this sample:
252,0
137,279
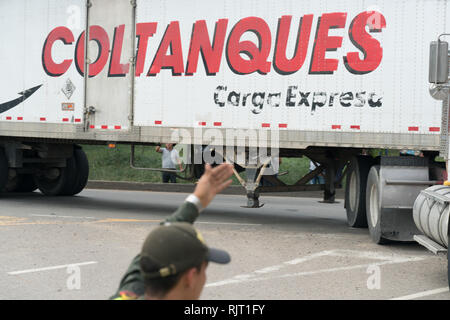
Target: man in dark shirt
173,260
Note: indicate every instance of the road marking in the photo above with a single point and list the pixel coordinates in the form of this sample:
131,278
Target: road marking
229,223
26,223
422,294
6,220
158,221
16,221
125,220
55,216
256,275
13,273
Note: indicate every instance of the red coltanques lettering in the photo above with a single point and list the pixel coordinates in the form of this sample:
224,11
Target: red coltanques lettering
242,56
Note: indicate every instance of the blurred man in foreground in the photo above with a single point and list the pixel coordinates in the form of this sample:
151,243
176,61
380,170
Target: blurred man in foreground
173,260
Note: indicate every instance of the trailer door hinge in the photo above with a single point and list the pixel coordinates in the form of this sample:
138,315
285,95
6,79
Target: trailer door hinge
90,110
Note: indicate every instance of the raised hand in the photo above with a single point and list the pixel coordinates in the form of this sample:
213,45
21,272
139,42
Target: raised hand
213,181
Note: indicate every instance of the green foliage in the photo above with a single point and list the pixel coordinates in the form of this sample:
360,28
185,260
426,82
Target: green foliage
296,168
114,165
383,152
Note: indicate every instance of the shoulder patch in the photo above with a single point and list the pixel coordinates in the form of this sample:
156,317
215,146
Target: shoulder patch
127,295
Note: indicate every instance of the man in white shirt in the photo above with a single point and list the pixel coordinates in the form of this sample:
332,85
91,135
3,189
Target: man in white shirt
170,159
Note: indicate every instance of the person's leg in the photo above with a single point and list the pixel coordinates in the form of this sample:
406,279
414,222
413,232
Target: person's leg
321,180
173,178
266,183
165,177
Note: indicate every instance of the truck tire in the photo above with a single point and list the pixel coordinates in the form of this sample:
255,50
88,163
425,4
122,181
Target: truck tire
355,191
71,177
12,184
373,205
21,183
60,185
26,183
4,167
82,172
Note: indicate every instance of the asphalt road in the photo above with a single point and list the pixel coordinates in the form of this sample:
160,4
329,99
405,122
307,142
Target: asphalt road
292,248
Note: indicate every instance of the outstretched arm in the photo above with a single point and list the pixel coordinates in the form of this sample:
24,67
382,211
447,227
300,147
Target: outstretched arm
212,182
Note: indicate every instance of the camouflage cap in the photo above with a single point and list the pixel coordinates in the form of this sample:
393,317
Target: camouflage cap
175,247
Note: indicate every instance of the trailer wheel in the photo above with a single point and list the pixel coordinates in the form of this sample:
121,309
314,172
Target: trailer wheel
82,172
26,183
21,183
3,169
355,191
373,205
12,184
54,186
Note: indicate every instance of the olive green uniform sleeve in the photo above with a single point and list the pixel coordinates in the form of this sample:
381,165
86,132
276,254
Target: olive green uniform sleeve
187,212
132,284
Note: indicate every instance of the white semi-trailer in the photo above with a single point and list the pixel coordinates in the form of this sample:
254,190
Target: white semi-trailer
328,80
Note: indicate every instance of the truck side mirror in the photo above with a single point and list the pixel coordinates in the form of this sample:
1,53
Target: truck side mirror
438,68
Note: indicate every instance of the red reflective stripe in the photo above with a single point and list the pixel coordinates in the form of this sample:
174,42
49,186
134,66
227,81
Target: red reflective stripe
92,126
77,120
336,126
266,125
282,125
202,123
19,118
117,127
104,127
413,128
435,129
217,124
65,119
158,122
355,127
8,118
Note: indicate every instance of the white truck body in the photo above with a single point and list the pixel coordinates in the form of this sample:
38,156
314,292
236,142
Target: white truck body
336,76
328,99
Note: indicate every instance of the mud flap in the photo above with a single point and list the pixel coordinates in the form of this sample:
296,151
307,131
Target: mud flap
401,180
398,224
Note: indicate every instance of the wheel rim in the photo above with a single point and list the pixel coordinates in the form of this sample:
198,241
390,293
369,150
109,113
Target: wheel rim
374,209
50,185
352,194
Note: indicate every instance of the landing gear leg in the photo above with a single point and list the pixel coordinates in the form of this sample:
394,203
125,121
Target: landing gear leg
251,185
253,200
